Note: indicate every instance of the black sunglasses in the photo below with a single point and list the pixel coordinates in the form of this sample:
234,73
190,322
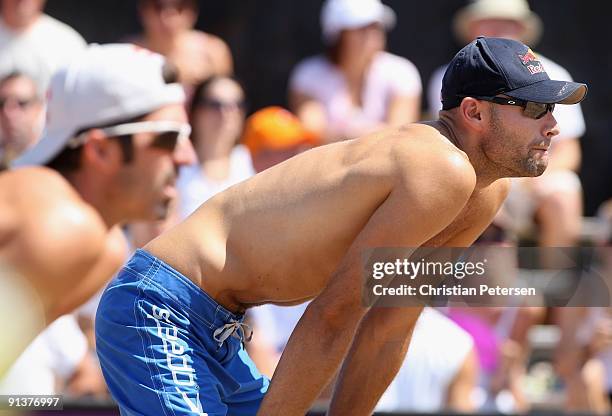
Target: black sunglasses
166,140
531,109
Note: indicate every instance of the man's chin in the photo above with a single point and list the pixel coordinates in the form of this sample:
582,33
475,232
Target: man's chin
533,168
162,210
540,169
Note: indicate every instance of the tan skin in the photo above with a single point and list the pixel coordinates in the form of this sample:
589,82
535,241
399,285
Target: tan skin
58,234
297,232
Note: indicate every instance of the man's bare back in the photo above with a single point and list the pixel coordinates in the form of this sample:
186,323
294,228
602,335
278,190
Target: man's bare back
245,248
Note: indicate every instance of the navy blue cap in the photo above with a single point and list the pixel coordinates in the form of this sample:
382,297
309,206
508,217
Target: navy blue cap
492,66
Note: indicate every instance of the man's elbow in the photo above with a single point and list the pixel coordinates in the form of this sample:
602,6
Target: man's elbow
340,314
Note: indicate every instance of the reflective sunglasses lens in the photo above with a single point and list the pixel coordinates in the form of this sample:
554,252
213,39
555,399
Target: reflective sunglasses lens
538,110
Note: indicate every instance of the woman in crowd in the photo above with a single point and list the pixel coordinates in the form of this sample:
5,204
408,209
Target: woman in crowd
217,116
355,87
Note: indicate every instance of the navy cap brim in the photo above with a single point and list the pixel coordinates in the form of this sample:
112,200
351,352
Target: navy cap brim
550,91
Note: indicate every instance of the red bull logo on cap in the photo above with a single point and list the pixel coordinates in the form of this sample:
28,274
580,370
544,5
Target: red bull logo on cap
530,60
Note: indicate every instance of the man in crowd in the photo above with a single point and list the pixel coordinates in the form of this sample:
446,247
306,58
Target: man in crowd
21,115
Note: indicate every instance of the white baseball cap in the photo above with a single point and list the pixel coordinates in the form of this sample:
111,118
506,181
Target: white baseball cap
103,84
338,15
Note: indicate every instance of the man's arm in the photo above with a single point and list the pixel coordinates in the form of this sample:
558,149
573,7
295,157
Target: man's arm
376,355
112,255
325,332
384,334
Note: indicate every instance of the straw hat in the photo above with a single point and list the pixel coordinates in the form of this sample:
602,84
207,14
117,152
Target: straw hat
517,10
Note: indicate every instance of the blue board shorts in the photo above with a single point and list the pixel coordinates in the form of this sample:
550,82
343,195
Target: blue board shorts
167,348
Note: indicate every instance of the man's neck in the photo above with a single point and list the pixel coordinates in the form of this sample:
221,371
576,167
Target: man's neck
91,196
485,173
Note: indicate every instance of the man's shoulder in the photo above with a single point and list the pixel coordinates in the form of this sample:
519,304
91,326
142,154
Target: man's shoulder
52,228
422,147
45,203
42,183
414,158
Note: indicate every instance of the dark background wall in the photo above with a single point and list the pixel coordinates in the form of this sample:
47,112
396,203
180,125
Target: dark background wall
267,37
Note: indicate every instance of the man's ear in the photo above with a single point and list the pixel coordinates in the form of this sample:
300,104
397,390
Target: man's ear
102,154
471,111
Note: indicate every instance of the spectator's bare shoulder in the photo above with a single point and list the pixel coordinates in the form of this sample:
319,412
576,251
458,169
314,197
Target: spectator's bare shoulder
218,50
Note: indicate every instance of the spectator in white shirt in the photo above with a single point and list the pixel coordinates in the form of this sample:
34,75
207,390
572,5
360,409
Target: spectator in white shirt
33,42
355,87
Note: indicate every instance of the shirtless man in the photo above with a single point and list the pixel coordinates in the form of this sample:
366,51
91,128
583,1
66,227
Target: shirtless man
58,246
169,326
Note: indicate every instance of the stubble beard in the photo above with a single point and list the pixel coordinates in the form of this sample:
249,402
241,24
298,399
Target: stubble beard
518,164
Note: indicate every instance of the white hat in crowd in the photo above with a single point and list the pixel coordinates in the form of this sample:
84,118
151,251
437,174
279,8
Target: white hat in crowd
338,15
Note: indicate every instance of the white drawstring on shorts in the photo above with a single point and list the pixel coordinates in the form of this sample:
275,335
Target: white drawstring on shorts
236,329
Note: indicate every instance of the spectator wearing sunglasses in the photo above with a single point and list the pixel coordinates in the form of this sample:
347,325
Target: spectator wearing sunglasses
168,30
217,114
115,137
21,115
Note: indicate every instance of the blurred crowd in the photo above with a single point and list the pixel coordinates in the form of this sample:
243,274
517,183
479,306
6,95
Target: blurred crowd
462,359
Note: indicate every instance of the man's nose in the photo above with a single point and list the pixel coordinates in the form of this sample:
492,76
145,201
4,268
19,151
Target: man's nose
184,154
552,128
